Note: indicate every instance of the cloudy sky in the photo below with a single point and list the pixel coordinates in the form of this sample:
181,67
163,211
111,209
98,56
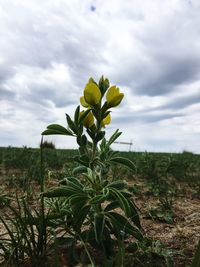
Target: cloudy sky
150,49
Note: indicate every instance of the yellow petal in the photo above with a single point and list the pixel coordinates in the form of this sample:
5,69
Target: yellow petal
114,97
106,120
83,102
116,100
112,92
89,120
92,94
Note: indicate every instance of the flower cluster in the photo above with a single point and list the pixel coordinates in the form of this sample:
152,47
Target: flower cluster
92,99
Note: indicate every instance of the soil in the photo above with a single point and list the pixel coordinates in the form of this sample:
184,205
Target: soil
182,236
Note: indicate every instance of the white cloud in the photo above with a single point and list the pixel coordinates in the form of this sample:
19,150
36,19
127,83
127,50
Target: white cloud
150,49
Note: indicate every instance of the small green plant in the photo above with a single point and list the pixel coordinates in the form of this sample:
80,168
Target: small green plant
149,253
24,235
164,191
90,194
161,185
28,230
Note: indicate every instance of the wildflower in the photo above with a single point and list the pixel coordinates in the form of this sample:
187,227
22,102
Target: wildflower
92,94
83,102
114,97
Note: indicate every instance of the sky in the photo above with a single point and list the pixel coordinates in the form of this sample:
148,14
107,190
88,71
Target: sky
149,49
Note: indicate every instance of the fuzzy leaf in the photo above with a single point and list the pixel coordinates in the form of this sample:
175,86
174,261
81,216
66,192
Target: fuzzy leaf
80,217
126,162
119,185
56,129
99,224
76,115
71,124
114,137
111,206
120,223
97,199
123,202
62,191
79,169
134,216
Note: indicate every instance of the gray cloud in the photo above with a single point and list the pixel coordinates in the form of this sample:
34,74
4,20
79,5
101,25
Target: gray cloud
146,117
182,102
167,51
42,94
49,50
174,72
6,94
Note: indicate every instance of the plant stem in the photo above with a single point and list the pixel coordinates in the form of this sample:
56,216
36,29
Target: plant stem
98,129
43,233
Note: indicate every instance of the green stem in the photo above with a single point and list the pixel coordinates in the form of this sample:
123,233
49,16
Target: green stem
94,150
88,253
98,126
43,233
41,167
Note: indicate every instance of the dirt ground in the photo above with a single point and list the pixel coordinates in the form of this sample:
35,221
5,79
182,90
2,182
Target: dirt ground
182,236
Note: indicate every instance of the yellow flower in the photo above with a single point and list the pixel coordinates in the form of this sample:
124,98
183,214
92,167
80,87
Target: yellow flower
88,120
106,120
92,94
83,102
114,97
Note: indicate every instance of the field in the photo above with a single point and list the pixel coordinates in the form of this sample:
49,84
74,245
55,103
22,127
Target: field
166,191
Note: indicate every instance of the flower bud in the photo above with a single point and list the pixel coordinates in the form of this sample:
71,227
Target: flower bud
92,94
114,97
83,102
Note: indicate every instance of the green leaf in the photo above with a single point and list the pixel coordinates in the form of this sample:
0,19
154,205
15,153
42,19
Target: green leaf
71,124
90,133
99,224
103,85
33,220
51,132
56,129
126,162
100,136
79,169
75,183
114,137
119,185
196,260
123,202
62,191
120,223
84,140
76,116
88,235
80,216
111,206
103,144
78,198
134,216
97,199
